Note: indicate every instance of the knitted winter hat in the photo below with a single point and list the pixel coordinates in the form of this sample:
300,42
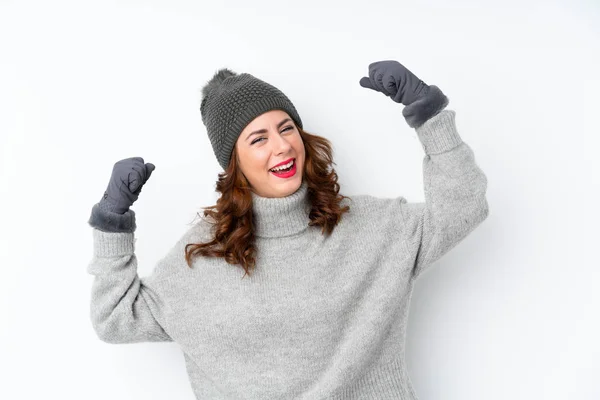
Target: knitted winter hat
231,101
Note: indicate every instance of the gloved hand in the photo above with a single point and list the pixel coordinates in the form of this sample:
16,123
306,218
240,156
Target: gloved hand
397,82
128,177
394,80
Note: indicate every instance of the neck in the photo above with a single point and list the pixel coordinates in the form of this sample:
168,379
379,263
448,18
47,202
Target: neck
281,216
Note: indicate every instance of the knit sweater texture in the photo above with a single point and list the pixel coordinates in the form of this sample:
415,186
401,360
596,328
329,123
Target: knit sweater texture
321,317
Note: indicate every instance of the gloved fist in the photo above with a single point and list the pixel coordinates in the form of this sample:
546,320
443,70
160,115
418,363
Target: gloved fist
128,177
394,80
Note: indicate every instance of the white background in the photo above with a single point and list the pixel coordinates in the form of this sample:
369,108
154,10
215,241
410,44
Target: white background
511,313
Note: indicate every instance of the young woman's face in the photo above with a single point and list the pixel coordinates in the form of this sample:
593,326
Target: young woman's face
277,140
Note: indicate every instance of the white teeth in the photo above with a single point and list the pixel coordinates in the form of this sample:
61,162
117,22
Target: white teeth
283,166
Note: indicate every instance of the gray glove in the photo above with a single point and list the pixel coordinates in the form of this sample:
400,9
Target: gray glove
394,80
397,82
128,177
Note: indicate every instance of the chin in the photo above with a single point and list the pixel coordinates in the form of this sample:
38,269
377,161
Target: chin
287,188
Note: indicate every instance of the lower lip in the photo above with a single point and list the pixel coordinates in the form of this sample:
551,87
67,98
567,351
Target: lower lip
288,174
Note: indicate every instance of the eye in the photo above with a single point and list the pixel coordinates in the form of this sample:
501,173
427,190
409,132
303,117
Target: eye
287,128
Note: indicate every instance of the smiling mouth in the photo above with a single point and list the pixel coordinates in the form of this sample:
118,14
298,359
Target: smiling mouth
276,171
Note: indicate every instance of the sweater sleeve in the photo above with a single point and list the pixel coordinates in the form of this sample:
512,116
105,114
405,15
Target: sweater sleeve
455,193
124,308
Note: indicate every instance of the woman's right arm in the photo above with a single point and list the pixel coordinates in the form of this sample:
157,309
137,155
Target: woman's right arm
123,307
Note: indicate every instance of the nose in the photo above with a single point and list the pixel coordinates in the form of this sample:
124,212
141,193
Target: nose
281,145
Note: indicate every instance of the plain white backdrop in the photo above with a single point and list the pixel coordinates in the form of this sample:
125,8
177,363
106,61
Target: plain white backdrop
511,313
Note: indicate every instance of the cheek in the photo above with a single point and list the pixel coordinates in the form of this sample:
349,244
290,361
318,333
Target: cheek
258,160
301,150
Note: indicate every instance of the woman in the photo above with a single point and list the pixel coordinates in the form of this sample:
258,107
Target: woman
323,307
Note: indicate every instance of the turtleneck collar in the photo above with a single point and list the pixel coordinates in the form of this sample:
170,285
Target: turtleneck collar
281,216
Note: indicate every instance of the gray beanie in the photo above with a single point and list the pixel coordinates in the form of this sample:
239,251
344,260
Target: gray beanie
231,101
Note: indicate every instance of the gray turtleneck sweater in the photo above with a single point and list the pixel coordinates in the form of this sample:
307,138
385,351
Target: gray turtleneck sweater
320,317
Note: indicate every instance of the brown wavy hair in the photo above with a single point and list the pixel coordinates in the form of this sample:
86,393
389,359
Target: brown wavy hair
234,237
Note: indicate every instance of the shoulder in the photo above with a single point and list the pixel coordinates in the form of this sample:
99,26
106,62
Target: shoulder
369,206
369,213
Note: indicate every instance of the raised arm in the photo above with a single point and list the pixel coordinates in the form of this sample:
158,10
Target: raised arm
455,193
123,307
455,187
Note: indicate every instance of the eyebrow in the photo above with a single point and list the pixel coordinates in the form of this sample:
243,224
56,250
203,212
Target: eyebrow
265,131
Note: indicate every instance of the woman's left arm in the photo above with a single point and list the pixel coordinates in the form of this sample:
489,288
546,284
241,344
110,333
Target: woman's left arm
455,193
455,187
